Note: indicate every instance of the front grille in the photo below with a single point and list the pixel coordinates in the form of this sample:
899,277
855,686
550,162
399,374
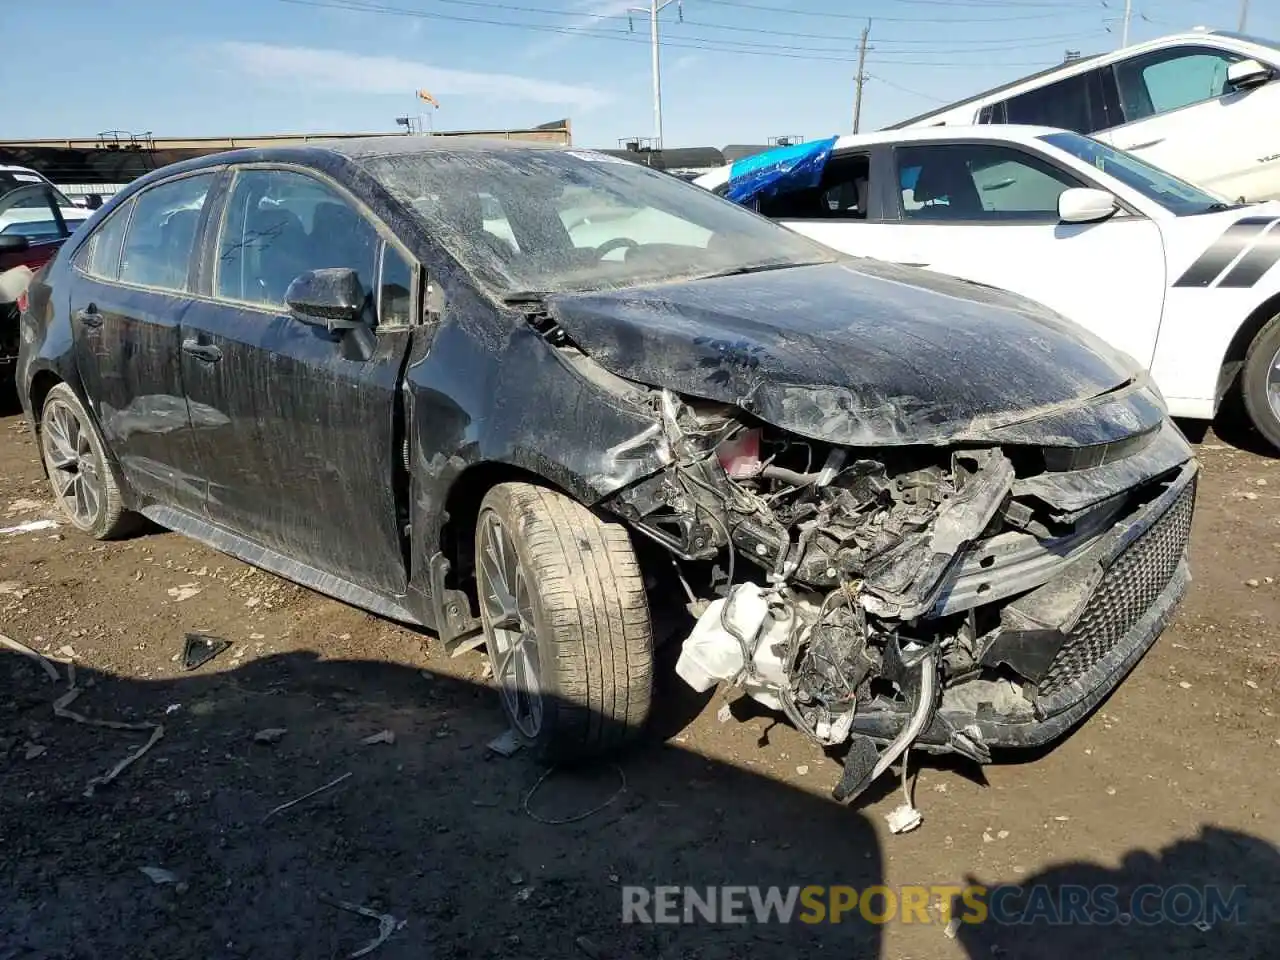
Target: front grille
1127,590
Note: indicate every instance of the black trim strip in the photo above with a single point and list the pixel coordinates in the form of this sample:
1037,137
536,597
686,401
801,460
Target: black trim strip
1261,258
1224,250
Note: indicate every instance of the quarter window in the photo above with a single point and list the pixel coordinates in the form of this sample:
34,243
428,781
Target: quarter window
1170,79
162,232
100,257
979,182
279,225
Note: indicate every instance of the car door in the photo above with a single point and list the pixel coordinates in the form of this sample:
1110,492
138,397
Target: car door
1182,114
298,429
130,287
988,212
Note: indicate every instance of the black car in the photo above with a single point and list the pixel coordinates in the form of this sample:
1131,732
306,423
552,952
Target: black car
575,407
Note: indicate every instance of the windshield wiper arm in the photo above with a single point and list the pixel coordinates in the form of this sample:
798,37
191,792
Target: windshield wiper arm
518,297
759,268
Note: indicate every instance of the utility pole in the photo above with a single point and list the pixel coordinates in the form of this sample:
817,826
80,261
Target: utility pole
1128,12
1244,15
861,78
655,9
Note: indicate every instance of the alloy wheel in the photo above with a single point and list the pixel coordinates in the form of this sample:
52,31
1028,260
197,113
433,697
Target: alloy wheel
509,626
1273,386
74,468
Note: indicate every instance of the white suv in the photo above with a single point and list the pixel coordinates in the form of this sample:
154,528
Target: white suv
1202,105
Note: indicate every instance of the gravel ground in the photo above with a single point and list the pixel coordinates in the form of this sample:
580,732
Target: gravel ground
1172,781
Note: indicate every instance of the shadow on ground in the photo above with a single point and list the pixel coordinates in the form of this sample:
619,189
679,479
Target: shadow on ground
432,829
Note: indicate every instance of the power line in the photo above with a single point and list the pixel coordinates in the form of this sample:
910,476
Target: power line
853,16
853,38
899,87
706,44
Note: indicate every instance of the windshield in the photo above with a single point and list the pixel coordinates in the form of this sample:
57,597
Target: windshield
528,222
1173,194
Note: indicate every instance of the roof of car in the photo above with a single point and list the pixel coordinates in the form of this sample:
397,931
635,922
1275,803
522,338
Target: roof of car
986,131
359,148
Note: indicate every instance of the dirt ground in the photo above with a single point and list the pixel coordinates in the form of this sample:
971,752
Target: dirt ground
1173,781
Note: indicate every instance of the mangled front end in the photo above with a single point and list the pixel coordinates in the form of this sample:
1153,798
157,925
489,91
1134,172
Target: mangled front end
955,597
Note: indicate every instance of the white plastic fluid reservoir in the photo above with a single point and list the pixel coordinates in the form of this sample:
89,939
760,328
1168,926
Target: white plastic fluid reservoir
711,653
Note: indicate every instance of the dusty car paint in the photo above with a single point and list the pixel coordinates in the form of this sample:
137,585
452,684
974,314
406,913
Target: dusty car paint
934,412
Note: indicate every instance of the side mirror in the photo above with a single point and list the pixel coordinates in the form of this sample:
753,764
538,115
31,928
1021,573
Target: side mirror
331,298
1248,74
1084,205
13,243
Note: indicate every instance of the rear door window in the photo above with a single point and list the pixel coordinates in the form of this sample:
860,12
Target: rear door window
843,193
162,233
100,257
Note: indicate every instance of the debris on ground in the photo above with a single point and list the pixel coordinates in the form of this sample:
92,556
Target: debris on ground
23,505
124,764
31,526
34,750
306,796
61,709
904,818
382,736
199,648
505,744
575,818
270,735
184,591
26,651
589,948
387,924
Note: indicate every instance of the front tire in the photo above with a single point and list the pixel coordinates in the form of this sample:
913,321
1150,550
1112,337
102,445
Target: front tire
84,484
566,621
1260,382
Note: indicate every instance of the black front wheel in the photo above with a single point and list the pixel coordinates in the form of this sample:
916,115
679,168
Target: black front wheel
566,622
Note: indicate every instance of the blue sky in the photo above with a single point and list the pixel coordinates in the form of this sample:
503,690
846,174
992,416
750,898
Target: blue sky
733,70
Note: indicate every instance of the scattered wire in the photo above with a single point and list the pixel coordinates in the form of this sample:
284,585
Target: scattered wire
562,821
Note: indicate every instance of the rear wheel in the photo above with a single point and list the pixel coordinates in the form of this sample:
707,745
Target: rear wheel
1260,382
84,485
566,621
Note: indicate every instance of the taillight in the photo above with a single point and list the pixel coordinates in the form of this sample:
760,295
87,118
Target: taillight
23,300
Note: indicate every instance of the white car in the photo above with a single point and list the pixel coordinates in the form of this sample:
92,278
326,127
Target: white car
33,216
1182,280
1202,105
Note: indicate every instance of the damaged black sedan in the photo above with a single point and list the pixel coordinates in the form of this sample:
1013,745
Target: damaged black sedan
568,407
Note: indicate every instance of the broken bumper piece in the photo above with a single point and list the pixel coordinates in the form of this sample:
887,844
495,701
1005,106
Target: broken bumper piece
1072,640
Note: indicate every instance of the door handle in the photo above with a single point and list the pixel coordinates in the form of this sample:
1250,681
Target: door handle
1149,143
202,351
89,316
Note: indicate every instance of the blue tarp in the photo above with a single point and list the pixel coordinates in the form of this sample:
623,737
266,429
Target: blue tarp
779,171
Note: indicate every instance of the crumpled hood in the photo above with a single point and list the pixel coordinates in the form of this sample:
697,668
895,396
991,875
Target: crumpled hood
861,352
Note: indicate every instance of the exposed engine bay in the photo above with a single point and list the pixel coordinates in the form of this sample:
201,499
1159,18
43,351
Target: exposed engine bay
954,597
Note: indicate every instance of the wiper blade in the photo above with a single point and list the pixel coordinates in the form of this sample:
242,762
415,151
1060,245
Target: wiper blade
759,268
524,296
